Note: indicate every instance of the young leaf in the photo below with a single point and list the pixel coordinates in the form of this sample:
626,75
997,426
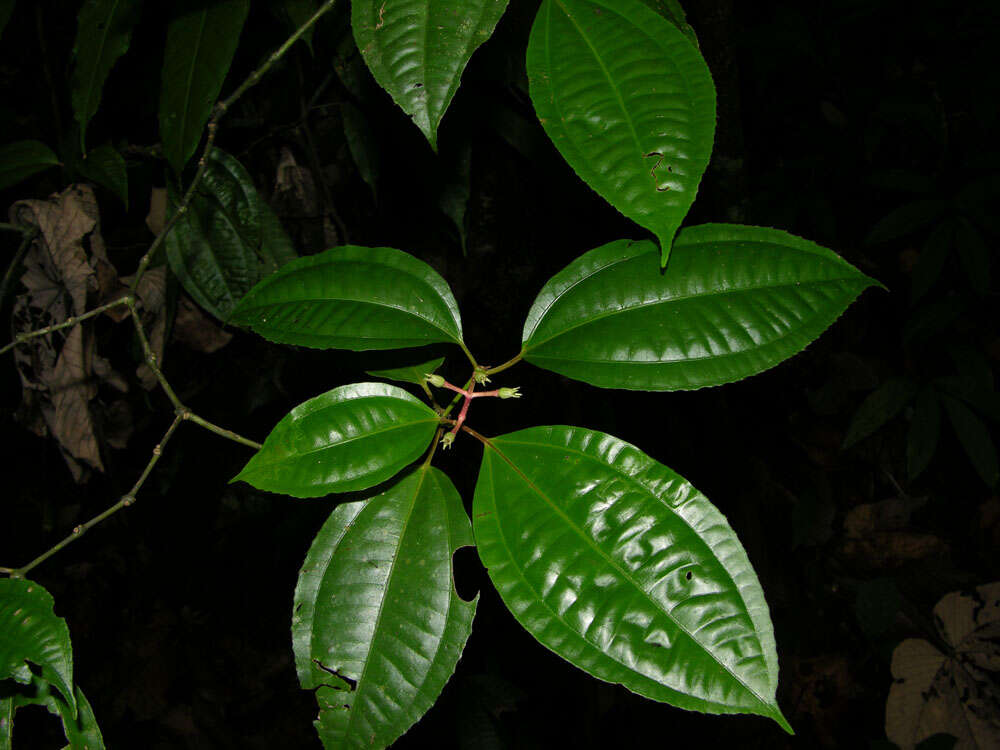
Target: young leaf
31,631
356,298
884,403
922,439
350,438
417,49
105,166
412,374
630,104
201,42
21,159
103,32
228,239
735,301
378,628
975,439
625,570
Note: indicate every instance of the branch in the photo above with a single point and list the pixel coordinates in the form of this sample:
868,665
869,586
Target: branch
212,127
125,501
70,321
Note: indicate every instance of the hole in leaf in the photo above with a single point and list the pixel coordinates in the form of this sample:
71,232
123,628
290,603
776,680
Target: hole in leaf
467,572
688,575
349,683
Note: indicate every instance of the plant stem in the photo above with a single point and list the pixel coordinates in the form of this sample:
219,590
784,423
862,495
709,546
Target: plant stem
212,127
17,228
70,321
506,365
125,501
468,354
221,431
150,358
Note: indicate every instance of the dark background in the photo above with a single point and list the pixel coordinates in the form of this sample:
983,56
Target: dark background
179,607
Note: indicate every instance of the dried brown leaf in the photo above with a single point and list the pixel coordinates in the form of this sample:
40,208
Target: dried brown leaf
197,330
955,692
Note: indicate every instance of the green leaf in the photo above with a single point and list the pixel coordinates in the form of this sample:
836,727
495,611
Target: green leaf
884,403
630,104
81,730
977,393
30,631
21,159
378,628
925,429
347,439
417,49
300,11
905,220
363,147
975,439
735,301
6,723
673,12
351,297
201,42
228,240
103,32
105,166
625,570
412,374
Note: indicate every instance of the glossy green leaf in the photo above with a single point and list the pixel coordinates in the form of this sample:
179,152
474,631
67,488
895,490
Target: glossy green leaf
21,159
735,301
347,439
103,32
975,439
629,102
925,429
81,730
884,403
351,297
201,42
30,631
361,144
412,374
417,49
377,627
625,570
228,240
105,166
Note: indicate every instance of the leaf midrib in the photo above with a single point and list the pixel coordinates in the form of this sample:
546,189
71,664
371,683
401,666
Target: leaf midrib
682,298
590,542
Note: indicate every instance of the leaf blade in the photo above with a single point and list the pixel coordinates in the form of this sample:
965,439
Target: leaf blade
409,374
736,301
201,42
568,522
33,632
351,635
347,439
345,298
630,104
418,49
105,166
21,159
104,31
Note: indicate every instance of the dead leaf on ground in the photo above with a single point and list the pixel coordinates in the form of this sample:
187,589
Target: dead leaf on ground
877,538
955,691
66,272
197,330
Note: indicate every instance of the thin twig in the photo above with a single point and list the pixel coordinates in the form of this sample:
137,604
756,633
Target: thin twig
221,431
212,128
125,501
70,321
150,358
509,363
18,228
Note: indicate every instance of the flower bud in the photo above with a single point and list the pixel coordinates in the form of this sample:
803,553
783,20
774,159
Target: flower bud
436,380
447,440
480,376
514,392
